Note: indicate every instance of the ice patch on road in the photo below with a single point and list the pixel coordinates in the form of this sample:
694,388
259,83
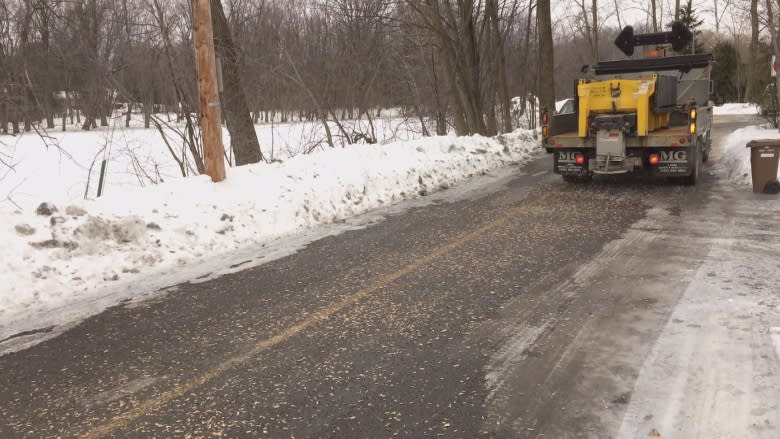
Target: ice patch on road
776,340
520,338
714,372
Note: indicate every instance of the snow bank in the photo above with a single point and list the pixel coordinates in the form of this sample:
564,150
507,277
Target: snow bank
64,167
736,109
68,254
735,159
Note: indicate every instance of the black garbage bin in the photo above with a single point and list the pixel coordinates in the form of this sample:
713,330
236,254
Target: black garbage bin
764,155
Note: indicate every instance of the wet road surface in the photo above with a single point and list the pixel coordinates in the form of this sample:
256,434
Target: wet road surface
535,309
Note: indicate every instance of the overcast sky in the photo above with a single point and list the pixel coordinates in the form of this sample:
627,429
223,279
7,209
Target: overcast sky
633,12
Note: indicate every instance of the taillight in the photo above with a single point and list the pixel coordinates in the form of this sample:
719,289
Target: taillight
579,159
545,121
545,131
654,159
692,113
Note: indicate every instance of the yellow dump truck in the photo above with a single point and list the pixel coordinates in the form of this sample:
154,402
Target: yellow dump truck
652,114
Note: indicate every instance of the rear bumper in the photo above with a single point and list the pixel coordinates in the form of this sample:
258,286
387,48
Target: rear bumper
673,161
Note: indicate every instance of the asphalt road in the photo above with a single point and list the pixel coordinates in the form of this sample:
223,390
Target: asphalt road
528,310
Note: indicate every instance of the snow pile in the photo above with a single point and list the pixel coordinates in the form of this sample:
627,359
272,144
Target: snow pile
735,159
736,108
56,256
560,104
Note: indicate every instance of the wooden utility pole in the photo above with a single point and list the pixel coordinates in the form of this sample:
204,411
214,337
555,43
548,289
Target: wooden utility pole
210,118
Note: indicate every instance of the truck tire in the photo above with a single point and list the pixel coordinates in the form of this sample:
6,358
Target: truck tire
692,179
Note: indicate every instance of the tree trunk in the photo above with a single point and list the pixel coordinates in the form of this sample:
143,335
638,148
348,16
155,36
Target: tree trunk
461,126
753,55
775,33
50,117
29,106
503,87
87,106
491,123
471,77
595,27
87,125
454,27
586,22
653,14
67,111
243,137
147,112
441,107
547,73
3,116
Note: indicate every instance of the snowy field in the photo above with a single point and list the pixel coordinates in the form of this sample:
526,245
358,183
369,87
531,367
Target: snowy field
153,228
735,108
137,157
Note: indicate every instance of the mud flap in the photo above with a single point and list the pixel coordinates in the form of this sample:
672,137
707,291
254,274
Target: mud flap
674,162
565,163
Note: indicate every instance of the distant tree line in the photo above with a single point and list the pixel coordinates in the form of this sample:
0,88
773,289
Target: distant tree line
450,64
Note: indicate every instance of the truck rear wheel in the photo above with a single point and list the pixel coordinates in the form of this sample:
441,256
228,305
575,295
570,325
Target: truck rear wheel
692,179
705,157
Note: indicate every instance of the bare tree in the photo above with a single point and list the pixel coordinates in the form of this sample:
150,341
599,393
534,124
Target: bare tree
653,14
546,81
753,53
243,137
339,63
719,9
772,25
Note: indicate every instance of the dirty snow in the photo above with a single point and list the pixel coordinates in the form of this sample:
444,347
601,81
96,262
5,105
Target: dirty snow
519,338
735,157
714,372
61,267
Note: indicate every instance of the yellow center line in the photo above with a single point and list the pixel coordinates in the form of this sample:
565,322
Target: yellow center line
156,402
